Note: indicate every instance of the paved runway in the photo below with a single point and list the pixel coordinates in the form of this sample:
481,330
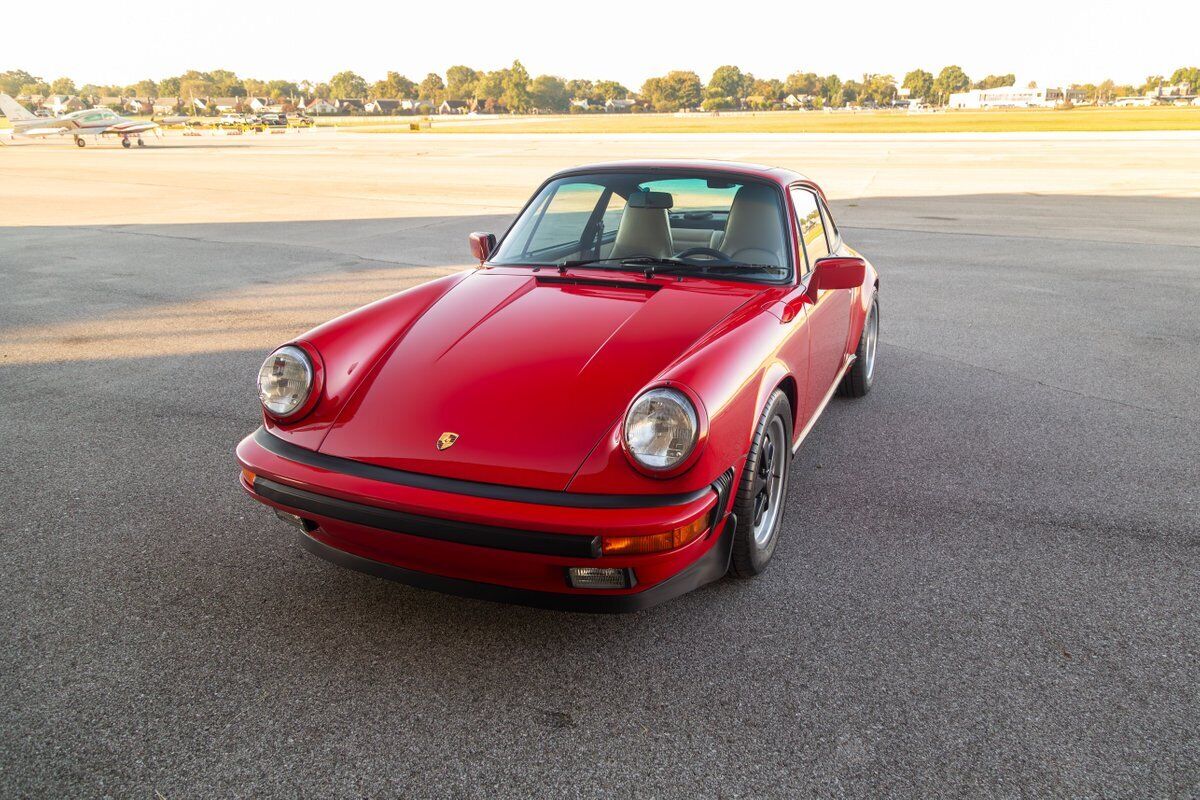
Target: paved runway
987,585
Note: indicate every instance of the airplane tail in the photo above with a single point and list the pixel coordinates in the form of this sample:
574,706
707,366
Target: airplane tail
14,110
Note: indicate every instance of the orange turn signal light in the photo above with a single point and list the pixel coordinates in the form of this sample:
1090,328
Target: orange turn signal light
655,542
248,476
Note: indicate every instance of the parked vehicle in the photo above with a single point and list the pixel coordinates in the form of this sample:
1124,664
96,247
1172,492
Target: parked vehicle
599,417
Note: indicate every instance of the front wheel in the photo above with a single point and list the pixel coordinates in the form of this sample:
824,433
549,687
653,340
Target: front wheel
861,374
762,489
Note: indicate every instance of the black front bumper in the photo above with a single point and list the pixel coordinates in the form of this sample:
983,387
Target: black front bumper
709,567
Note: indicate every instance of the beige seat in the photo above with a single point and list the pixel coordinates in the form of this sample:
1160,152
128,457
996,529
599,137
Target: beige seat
754,231
643,232
687,238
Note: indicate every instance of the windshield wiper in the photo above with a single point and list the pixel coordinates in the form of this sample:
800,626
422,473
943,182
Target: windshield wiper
631,261
655,264
675,265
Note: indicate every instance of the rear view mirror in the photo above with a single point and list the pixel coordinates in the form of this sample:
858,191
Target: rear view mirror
838,272
651,200
482,245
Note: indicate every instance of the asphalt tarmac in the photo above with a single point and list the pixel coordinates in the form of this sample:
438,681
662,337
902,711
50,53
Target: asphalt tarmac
987,583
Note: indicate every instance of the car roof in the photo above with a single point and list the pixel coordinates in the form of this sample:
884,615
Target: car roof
761,171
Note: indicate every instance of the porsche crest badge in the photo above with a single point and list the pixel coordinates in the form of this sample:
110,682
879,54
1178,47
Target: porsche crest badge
447,439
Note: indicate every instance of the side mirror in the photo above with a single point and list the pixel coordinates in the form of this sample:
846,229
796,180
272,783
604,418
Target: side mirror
482,245
838,272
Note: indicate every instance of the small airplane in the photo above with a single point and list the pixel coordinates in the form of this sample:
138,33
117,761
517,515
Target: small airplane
94,122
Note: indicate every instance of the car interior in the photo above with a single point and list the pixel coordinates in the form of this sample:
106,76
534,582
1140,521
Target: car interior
605,217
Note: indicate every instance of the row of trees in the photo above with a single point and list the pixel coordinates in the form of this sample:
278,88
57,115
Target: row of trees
513,89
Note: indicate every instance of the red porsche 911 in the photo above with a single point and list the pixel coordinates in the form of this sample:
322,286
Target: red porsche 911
600,416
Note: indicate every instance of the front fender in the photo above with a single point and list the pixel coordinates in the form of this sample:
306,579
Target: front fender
350,346
732,374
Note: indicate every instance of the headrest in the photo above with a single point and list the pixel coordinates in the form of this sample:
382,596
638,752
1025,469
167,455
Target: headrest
651,200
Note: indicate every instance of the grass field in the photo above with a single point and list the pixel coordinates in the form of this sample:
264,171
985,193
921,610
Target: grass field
999,121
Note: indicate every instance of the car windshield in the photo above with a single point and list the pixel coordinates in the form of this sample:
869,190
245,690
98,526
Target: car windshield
687,222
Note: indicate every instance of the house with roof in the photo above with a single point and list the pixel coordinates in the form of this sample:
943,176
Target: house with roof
264,104
620,105
139,105
409,106
225,105
350,105
581,103
454,107
319,105
63,104
109,102
382,106
798,101
166,105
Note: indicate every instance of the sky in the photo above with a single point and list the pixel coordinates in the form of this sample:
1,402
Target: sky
1050,42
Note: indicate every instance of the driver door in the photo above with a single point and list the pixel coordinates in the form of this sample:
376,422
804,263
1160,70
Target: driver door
829,315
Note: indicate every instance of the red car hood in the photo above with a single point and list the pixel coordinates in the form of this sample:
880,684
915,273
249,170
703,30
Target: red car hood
529,370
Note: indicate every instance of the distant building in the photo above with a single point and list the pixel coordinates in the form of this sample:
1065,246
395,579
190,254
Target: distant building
225,105
1134,100
1177,93
416,106
110,102
382,107
454,107
1014,97
582,104
261,104
798,101
166,105
319,105
620,105
349,105
63,104
139,105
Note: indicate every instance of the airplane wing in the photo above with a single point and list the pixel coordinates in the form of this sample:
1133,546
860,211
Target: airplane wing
42,131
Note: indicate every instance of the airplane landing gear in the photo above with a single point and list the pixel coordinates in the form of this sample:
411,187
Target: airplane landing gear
140,142
125,143
79,142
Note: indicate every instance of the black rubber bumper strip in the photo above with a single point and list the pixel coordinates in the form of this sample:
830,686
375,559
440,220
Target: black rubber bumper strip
711,566
493,491
447,530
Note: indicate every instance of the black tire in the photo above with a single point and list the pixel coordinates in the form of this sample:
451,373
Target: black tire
861,376
80,142
125,143
750,554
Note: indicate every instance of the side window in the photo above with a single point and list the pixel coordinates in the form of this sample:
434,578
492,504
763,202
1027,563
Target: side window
613,212
563,217
812,226
831,231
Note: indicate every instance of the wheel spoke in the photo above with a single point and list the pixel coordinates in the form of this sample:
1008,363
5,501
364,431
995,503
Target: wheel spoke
767,482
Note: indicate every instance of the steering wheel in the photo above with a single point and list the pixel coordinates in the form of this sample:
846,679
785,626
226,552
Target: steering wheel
709,252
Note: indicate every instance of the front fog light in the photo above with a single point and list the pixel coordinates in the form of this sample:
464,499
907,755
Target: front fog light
600,578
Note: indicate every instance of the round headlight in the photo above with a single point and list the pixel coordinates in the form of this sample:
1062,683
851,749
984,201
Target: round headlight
661,429
285,380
